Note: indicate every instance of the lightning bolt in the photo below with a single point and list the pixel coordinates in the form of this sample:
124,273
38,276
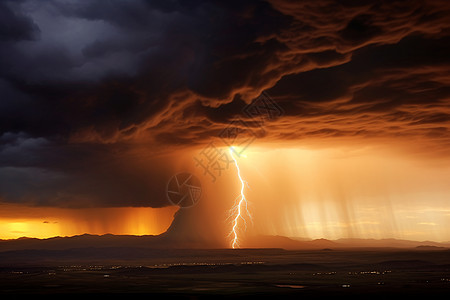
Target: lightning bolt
240,207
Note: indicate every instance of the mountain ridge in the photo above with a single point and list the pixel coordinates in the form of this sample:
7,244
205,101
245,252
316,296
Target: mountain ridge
164,241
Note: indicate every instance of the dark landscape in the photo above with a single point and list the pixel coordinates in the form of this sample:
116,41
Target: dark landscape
225,149
52,270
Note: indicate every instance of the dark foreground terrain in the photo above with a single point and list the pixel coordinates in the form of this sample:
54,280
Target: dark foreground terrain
368,273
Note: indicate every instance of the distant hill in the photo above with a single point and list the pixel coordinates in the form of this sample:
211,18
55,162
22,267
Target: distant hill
294,243
394,243
167,242
89,240
428,248
271,241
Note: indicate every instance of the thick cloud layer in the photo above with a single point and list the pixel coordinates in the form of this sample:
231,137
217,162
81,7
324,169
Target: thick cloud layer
85,83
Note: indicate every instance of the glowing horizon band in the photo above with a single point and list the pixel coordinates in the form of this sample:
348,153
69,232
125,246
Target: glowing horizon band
237,209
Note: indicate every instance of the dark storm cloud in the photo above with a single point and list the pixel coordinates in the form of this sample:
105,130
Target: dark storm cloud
15,25
396,84
42,172
83,83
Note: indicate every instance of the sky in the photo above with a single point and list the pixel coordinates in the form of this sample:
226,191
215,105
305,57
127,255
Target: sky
102,102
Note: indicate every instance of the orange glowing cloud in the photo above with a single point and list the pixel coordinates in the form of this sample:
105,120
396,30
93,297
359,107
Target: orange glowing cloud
39,222
96,128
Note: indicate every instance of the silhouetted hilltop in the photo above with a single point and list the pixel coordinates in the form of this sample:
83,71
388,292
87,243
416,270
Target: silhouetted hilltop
167,242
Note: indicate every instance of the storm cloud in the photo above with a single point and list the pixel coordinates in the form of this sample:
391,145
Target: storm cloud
83,84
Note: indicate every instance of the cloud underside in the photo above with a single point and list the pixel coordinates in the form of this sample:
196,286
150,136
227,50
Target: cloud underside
83,82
